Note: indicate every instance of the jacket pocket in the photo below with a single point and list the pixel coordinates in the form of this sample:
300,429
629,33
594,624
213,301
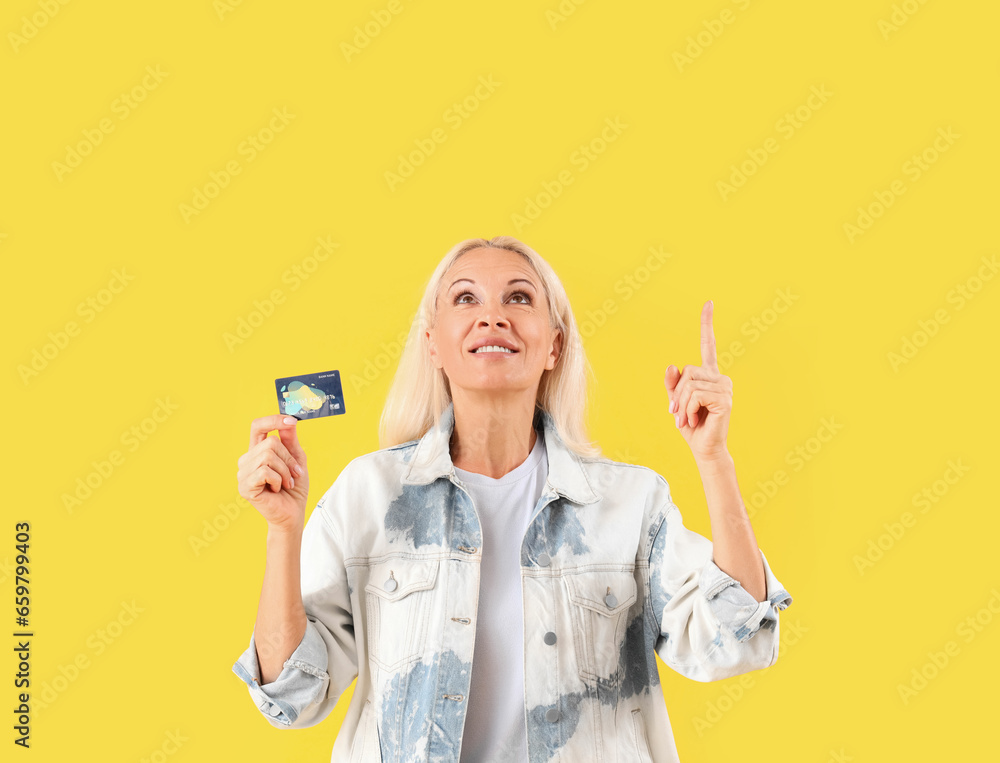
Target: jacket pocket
399,594
600,600
641,742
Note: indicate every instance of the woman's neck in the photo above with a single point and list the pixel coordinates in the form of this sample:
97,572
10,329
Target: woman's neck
492,440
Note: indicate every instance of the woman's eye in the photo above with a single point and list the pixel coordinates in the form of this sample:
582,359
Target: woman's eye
527,297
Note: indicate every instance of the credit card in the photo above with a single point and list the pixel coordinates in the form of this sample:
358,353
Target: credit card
310,396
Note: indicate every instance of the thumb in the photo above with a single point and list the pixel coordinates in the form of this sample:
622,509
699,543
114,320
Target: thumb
672,377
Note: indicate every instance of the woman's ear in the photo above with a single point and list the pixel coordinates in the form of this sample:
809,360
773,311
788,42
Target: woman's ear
556,350
432,348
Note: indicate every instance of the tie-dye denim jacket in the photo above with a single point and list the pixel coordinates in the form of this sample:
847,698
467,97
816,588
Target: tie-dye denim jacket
609,576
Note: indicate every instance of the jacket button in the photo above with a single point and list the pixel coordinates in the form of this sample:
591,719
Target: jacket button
544,560
611,601
274,710
550,638
390,584
552,715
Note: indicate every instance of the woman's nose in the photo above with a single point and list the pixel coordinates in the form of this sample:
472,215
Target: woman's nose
493,314
498,322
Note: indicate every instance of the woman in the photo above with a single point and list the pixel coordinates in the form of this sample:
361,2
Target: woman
496,586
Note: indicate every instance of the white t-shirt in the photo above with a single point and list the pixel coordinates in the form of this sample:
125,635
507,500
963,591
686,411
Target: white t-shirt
495,724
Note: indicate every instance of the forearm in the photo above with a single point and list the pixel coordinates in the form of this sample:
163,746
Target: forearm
735,549
281,617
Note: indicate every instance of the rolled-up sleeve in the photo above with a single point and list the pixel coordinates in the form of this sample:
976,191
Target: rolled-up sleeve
303,678
325,662
711,627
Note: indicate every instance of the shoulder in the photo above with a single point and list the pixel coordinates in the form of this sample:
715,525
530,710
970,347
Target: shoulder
627,487
633,499
607,473
370,478
385,464
395,458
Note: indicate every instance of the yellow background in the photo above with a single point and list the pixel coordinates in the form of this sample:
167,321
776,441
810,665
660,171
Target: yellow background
834,693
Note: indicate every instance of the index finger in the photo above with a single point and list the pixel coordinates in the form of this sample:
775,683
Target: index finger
260,427
708,358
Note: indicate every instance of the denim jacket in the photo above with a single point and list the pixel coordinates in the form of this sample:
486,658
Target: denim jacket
609,576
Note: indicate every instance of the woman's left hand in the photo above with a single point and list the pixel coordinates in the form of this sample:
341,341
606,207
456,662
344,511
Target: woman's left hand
701,398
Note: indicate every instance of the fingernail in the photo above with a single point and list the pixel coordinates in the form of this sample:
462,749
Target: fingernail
299,470
289,420
292,480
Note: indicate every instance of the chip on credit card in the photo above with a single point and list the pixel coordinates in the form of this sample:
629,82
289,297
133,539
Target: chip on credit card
310,396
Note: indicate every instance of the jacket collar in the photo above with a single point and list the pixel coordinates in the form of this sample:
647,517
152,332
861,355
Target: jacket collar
566,476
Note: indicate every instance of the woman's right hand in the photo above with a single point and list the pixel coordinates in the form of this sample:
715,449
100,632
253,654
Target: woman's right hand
272,474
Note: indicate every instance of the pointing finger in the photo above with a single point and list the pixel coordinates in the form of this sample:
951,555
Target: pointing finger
708,358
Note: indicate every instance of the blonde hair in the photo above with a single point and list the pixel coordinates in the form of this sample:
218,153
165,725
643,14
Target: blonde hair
419,392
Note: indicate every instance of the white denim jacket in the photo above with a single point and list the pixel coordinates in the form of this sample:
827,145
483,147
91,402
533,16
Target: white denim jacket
609,575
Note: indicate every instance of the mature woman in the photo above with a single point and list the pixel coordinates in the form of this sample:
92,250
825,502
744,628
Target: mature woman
497,587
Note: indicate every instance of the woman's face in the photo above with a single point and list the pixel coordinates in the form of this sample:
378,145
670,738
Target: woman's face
493,294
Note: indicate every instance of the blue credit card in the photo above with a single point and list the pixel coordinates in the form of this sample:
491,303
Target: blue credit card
310,396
